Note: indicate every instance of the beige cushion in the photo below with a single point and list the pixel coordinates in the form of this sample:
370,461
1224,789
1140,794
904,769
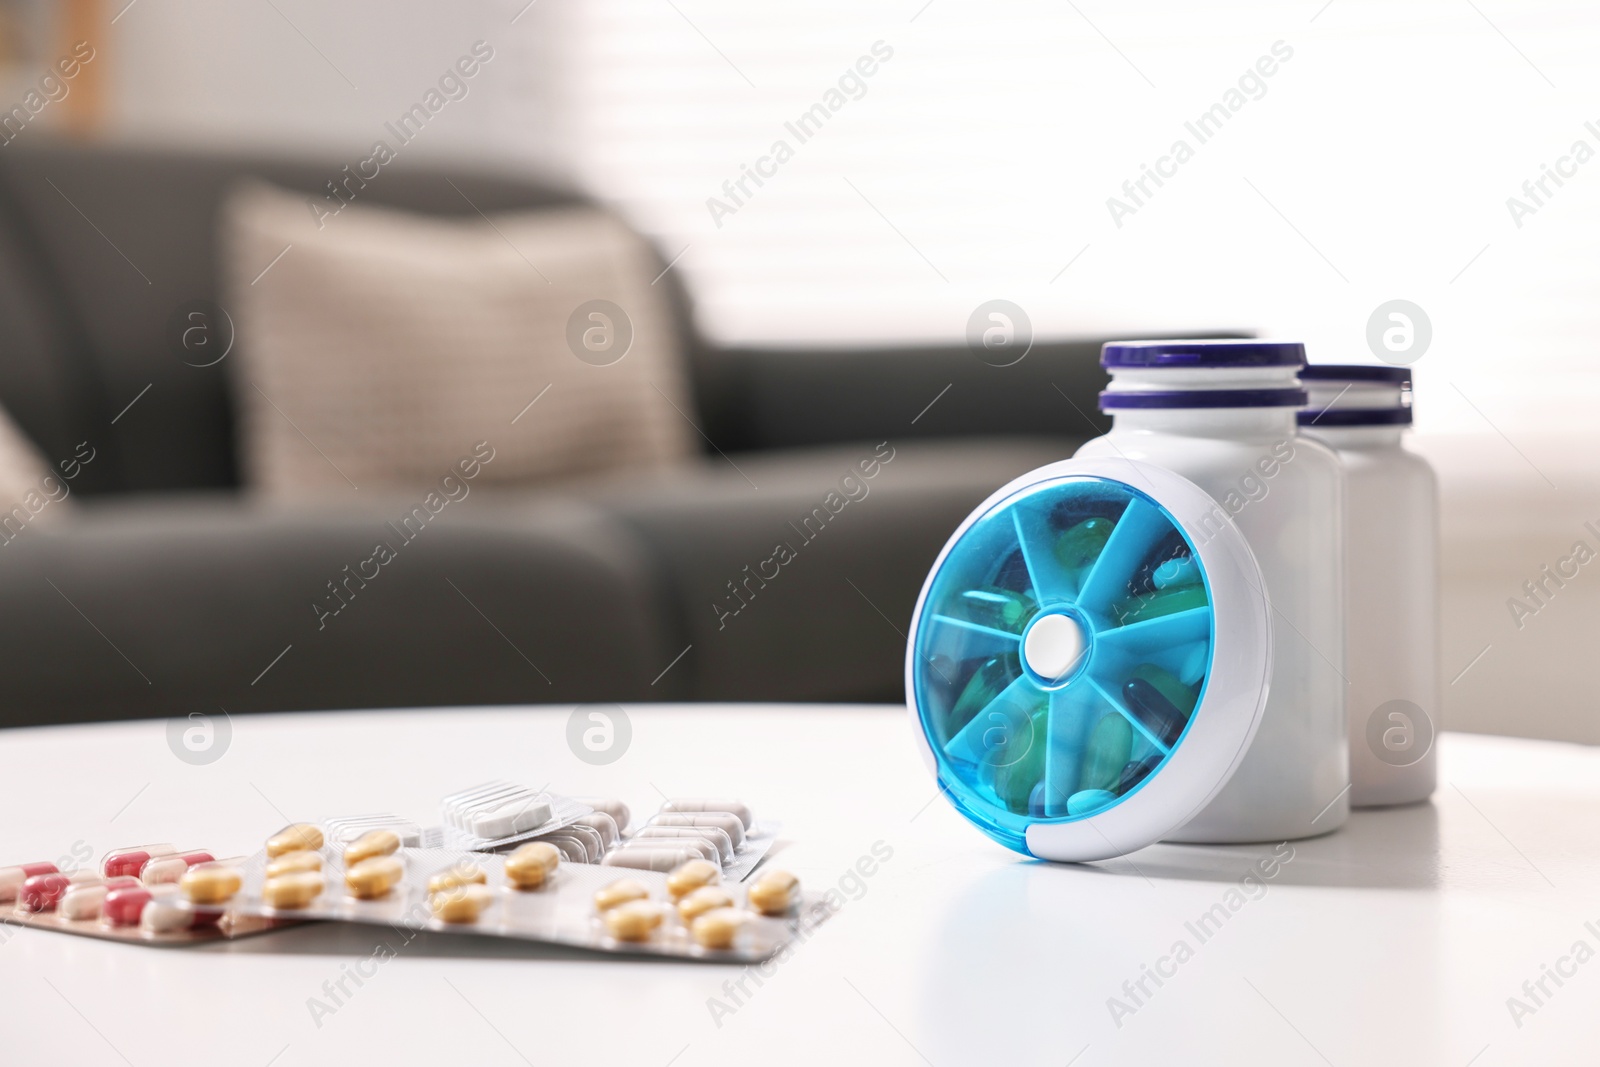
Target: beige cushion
381,347
30,491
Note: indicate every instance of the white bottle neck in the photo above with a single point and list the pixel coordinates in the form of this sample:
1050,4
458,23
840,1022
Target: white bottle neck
1220,423
1349,438
1159,379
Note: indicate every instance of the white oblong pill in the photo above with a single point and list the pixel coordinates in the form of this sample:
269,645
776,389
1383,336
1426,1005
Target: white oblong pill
602,824
593,844
572,847
705,848
458,808
715,834
164,915
693,805
615,808
516,817
488,800
726,821
650,859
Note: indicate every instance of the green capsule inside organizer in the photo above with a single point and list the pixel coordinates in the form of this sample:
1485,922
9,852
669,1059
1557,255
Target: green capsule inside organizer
1109,748
982,686
1176,572
1052,604
1003,609
1161,602
1081,544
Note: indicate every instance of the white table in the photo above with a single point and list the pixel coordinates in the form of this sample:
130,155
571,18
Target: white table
1397,940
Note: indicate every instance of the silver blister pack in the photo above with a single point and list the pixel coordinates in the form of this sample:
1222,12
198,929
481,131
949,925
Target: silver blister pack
561,912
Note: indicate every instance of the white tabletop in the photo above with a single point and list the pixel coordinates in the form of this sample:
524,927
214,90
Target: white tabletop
1397,940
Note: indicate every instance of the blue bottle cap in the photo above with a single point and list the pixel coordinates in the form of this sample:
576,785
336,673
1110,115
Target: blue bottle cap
1355,372
1326,411
1123,400
1203,353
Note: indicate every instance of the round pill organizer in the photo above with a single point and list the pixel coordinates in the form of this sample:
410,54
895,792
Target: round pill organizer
1089,658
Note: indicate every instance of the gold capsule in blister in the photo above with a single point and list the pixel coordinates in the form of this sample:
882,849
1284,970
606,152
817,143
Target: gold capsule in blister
622,891
531,865
210,883
370,844
295,836
688,877
718,928
774,893
294,890
460,874
706,898
634,921
373,878
290,862
461,903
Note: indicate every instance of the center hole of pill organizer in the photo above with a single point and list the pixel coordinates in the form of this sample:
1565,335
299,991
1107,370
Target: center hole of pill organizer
1054,647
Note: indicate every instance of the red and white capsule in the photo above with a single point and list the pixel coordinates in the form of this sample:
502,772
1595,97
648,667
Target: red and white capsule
43,892
84,899
11,878
126,861
162,870
124,905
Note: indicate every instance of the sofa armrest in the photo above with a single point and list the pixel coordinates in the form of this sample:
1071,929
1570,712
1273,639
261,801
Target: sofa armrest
764,398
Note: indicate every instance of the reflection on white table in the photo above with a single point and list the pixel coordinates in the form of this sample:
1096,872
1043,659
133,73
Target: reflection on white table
1460,931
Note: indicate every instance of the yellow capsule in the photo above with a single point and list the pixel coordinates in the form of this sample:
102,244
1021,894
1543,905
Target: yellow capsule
634,921
461,903
294,890
461,874
210,883
299,835
622,891
687,877
706,898
290,862
718,928
370,844
372,878
530,866
774,893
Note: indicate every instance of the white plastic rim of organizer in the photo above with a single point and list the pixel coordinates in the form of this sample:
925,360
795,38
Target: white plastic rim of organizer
1061,657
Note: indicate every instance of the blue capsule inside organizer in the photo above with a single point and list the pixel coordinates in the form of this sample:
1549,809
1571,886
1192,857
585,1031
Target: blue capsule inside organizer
1061,649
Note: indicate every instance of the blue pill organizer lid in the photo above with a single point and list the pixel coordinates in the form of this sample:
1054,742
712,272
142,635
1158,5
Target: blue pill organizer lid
1089,659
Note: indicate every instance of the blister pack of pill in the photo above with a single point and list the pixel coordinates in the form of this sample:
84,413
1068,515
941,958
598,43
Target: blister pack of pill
530,893
723,831
597,830
498,815
134,895
344,830
677,886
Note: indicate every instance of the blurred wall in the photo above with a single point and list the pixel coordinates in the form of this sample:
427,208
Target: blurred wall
1376,160
1366,152
307,76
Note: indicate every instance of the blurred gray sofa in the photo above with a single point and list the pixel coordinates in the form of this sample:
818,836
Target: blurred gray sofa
167,588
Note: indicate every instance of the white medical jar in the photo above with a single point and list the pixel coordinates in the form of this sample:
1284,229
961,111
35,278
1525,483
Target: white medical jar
1392,578
1223,415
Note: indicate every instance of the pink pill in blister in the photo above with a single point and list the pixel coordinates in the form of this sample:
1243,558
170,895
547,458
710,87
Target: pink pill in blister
124,906
42,892
11,878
